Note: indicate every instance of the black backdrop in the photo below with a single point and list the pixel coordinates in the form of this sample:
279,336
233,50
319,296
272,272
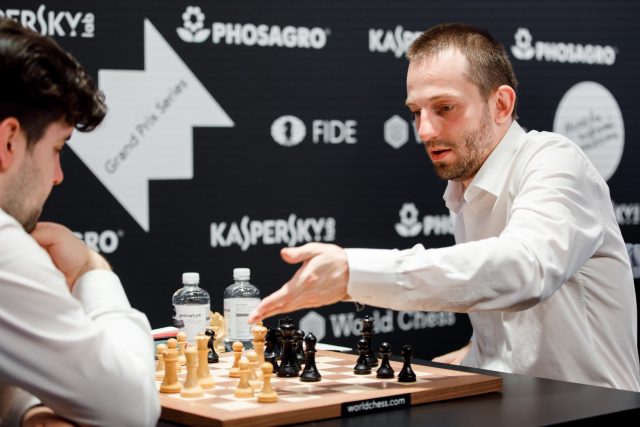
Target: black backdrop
202,168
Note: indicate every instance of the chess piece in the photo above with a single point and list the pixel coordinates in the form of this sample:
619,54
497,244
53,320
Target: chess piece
259,333
288,366
160,349
212,356
170,383
192,386
267,394
310,372
271,340
172,344
216,321
362,367
298,339
367,332
182,345
244,388
237,347
204,375
252,358
406,374
385,370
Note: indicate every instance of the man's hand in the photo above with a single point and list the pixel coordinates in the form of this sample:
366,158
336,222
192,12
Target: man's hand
455,357
41,416
321,280
68,253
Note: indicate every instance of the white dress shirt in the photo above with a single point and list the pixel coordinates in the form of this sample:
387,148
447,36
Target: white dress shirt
540,266
88,356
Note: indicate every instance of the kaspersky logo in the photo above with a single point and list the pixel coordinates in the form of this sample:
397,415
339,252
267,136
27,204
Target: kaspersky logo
525,49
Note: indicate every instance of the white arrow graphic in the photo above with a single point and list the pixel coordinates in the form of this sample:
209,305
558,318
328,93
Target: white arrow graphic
147,133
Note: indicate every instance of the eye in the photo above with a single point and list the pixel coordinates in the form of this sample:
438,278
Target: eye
445,108
416,114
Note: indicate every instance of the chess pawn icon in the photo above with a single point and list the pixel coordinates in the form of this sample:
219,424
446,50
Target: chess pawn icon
204,375
267,394
310,372
385,370
237,347
160,349
362,367
244,388
192,386
406,374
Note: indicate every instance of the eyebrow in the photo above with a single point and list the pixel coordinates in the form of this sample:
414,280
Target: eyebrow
437,97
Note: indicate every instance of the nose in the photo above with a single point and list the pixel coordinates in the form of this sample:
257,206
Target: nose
427,129
58,175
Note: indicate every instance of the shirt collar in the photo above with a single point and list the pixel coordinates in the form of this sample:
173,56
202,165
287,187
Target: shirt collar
491,176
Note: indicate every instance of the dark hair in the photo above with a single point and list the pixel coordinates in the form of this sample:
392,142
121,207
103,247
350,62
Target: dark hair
40,83
489,65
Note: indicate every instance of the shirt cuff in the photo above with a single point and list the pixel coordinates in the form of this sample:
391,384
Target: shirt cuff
16,403
100,291
372,275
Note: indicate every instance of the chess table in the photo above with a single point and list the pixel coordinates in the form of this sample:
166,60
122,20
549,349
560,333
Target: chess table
340,393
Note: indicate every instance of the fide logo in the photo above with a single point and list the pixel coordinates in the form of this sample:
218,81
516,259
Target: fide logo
192,30
409,226
523,48
288,131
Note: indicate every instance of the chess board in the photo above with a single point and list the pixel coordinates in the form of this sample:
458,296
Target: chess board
339,393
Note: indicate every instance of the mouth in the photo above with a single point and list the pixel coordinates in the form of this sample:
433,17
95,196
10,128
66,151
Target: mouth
439,154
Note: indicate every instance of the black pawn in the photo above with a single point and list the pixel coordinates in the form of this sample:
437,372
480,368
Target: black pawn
362,367
367,331
310,372
385,370
406,374
212,356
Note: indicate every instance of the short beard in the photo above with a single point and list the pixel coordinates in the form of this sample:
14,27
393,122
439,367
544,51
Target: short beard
472,152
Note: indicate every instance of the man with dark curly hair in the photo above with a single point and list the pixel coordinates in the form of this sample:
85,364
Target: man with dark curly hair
73,350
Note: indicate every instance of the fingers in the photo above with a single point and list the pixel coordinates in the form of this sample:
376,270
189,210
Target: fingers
48,233
295,255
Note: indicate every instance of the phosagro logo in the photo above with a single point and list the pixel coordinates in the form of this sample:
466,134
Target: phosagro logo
290,130
105,242
247,34
525,50
396,41
290,231
192,29
409,225
54,23
589,115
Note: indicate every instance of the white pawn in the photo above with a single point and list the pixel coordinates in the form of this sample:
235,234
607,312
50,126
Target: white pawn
182,346
267,394
191,384
254,380
244,388
172,344
237,347
160,349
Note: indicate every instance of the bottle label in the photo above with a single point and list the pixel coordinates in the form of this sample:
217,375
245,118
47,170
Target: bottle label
192,319
236,312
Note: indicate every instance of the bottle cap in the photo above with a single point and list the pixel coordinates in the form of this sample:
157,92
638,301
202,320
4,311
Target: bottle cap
190,278
241,273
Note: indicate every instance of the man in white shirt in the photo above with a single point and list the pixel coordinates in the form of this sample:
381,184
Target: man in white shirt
539,262
73,350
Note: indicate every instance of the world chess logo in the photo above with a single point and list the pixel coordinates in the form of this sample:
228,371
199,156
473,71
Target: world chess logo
396,132
288,131
192,30
314,322
408,225
523,48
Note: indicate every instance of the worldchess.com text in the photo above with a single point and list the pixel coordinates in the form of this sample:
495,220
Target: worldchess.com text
372,405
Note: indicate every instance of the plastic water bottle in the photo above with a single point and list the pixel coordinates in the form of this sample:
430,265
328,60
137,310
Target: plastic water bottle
240,299
191,306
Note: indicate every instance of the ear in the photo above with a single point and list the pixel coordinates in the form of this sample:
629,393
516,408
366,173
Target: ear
9,133
505,102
